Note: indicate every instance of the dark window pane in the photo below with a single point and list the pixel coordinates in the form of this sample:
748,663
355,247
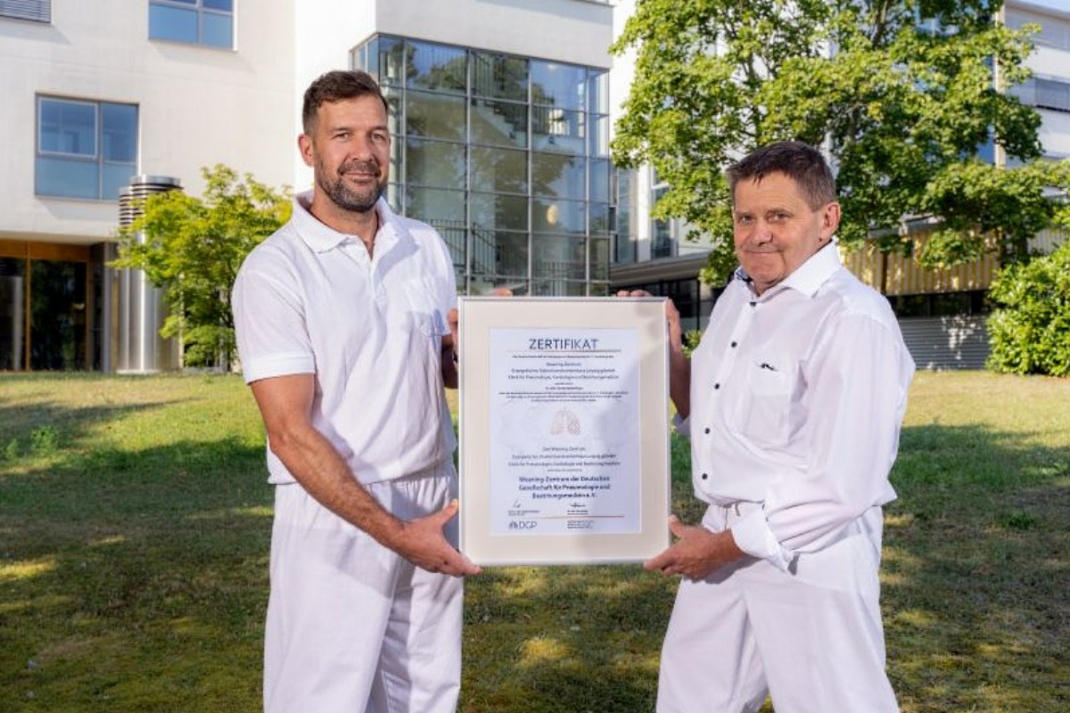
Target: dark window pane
558,176
444,207
600,226
172,23
599,256
226,5
495,211
436,116
57,315
391,61
499,123
12,314
600,183
499,170
68,127
435,163
118,132
557,257
499,255
498,76
437,67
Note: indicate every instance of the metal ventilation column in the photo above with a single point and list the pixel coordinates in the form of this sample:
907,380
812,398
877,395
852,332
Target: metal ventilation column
141,307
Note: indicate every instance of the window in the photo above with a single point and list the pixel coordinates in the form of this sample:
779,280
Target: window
1044,93
196,22
85,149
39,10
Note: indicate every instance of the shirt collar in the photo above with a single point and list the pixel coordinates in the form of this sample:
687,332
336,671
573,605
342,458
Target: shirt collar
321,238
809,276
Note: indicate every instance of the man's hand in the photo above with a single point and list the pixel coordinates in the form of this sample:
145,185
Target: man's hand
696,553
421,542
679,364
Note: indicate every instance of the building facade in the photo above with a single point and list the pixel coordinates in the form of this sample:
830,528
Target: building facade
502,140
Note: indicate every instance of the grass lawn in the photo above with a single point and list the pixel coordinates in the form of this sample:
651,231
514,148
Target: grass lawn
134,523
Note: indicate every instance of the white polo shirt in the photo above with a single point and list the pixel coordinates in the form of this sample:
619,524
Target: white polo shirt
797,399
309,300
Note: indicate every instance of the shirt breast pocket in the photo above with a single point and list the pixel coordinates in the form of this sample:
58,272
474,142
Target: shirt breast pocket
418,309
767,407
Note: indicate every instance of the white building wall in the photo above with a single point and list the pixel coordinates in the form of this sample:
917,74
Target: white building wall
198,106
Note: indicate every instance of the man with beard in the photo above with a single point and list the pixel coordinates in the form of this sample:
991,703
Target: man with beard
343,321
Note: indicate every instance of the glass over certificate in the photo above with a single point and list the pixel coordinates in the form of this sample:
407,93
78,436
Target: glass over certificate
564,430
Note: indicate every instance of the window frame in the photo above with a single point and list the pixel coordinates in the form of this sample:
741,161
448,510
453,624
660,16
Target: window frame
97,158
201,11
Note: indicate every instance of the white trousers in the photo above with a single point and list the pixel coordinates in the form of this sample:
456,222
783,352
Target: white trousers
351,626
811,638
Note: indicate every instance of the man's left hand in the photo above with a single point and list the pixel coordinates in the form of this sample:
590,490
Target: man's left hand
696,553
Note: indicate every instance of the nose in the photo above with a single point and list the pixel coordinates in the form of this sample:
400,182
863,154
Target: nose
762,232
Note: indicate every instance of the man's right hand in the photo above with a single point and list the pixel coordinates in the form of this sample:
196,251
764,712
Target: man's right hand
421,542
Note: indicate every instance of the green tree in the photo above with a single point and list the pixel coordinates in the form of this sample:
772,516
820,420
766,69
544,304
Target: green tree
1030,331
903,106
193,247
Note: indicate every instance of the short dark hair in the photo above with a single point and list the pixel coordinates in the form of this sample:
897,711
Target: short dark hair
336,86
800,162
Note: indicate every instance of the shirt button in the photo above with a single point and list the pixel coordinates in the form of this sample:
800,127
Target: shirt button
704,476
707,430
753,304
734,344
716,386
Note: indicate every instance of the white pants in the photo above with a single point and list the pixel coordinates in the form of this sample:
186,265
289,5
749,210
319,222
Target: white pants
351,626
812,637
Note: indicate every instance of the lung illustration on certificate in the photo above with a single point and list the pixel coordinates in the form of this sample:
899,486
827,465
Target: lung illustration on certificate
565,451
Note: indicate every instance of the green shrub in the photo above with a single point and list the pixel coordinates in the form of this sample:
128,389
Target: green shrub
1030,331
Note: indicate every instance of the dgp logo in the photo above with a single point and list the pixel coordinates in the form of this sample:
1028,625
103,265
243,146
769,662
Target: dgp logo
523,524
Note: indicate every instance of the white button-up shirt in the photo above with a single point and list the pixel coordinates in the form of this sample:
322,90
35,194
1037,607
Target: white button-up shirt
797,398
309,300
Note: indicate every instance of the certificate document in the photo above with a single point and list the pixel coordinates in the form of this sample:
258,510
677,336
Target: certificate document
565,440
563,417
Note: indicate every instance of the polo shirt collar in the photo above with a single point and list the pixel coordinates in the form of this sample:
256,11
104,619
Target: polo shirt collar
321,238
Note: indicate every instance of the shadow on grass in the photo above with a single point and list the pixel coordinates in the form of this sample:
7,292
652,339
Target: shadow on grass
21,422
975,595
135,581
976,572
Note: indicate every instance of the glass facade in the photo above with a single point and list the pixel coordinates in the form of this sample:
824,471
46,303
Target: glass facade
85,149
45,308
508,157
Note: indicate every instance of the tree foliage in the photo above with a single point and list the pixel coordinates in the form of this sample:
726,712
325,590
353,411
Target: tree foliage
903,106
193,247
1030,331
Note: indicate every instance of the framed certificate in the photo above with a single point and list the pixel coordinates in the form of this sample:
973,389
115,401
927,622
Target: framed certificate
564,429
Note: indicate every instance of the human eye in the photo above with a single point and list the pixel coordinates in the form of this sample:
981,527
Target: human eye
744,219
779,216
